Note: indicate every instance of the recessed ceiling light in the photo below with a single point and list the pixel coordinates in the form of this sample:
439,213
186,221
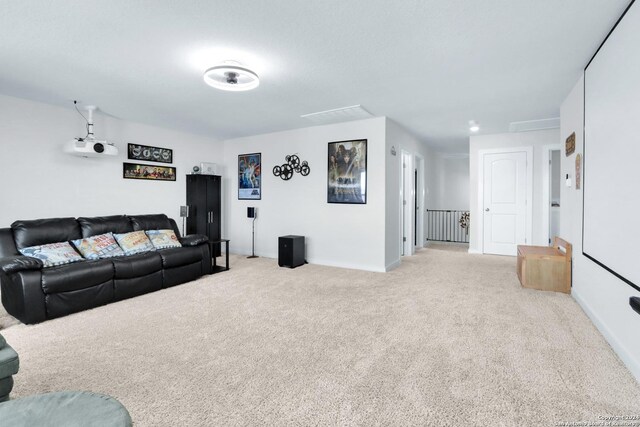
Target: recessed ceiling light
231,76
473,126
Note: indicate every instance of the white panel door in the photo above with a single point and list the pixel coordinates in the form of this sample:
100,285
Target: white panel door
505,202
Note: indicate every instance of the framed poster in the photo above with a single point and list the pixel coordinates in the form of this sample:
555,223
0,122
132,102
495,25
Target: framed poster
249,176
149,154
347,172
150,172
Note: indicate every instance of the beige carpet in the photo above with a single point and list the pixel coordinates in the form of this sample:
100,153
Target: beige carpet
448,339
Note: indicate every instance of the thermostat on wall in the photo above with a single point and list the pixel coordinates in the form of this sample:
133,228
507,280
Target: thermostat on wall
208,168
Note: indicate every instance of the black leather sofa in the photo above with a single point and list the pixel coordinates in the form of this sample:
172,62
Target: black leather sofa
33,294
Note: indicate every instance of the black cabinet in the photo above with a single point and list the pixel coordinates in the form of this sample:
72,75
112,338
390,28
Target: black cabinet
291,251
203,199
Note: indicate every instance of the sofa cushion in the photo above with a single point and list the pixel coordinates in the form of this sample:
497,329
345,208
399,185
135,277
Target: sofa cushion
163,239
3,342
43,231
137,265
100,246
76,276
177,257
151,222
134,242
9,362
104,224
53,253
64,303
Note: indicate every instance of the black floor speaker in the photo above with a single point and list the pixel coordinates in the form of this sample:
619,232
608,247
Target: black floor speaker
290,251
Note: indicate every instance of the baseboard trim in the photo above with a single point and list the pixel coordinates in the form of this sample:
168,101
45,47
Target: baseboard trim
349,266
393,265
623,353
474,251
327,263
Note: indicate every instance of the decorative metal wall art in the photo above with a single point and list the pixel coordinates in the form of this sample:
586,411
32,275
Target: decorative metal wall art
150,154
286,170
570,144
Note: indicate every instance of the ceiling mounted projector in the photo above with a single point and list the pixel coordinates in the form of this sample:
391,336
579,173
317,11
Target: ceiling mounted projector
89,146
231,76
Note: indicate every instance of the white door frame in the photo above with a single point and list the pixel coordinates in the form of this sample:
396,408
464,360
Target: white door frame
529,175
406,214
419,165
546,186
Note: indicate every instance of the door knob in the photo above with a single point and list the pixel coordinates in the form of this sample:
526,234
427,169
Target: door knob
486,210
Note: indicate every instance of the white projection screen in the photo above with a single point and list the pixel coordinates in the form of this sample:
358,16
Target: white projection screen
611,211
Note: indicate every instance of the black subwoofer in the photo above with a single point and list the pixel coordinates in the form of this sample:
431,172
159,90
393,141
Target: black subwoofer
290,251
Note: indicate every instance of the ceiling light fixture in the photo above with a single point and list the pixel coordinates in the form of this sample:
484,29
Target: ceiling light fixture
231,76
473,126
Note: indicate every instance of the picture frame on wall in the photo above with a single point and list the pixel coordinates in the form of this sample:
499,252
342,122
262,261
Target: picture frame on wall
148,172
570,145
347,172
149,154
250,176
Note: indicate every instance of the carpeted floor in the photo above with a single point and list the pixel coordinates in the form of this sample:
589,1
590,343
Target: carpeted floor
447,339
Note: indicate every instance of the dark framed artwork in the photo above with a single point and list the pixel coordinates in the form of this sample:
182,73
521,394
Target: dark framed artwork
250,176
149,154
347,172
150,172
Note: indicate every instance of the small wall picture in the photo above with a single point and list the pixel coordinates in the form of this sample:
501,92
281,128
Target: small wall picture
150,172
347,172
570,144
149,154
249,176
578,170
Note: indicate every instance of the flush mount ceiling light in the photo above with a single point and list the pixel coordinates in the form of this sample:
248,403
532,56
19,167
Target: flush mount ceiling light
473,126
231,76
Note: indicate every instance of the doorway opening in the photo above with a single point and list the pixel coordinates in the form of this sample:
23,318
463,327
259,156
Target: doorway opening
407,203
418,202
551,189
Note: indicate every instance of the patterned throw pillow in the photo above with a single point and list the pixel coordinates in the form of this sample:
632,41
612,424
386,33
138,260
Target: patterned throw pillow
163,239
100,246
53,253
134,242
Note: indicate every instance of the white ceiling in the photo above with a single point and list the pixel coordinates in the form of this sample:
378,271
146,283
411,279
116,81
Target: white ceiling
430,65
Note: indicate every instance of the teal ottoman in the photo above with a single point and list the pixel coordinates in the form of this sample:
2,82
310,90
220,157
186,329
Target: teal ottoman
9,365
65,409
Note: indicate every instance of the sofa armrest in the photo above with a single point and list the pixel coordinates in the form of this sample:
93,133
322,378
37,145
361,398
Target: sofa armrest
13,264
194,240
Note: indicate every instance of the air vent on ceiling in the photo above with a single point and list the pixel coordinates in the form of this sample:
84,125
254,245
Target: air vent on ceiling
345,114
530,125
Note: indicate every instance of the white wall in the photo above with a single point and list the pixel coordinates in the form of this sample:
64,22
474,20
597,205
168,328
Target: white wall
40,181
336,234
535,139
401,140
452,188
604,297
